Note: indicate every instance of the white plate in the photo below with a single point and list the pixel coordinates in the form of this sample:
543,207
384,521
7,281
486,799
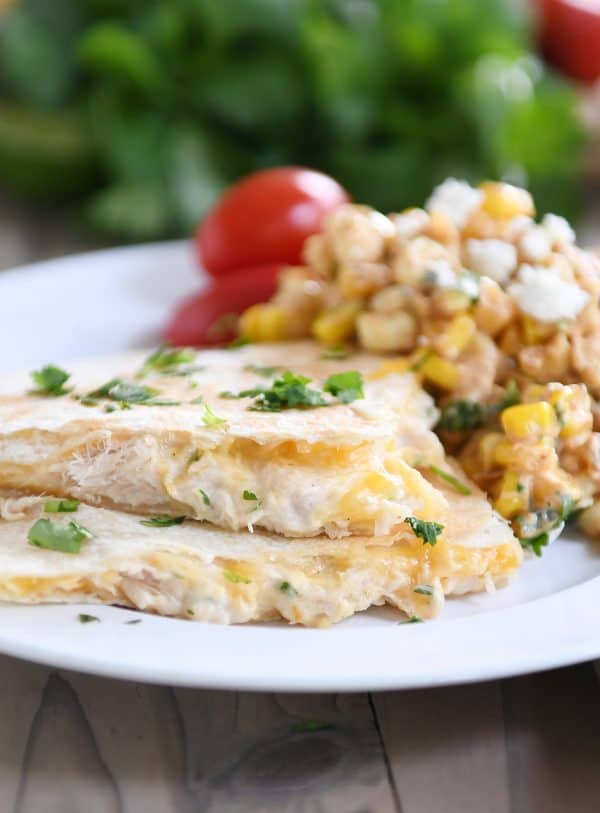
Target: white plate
113,300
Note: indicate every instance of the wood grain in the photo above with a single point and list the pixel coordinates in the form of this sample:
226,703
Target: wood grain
446,748
264,752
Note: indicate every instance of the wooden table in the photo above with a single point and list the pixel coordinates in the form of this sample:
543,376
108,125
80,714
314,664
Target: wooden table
72,743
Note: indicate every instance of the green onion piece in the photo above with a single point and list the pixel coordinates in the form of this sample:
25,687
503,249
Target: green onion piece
450,479
162,521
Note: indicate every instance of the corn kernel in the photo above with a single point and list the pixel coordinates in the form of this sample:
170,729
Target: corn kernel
264,322
535,332
456,336
401,365
336,325
530,421
573,407
487,448
504,201
513,497
503,453
440,372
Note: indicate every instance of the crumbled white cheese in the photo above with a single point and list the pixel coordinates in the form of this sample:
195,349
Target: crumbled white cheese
542,293
492,258
440,274
558,229
457,200
409,224
535,244
517,225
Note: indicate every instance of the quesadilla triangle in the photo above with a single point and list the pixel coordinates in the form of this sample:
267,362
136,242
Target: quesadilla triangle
235,437
195,571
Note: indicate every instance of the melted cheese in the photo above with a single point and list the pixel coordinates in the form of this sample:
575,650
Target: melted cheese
197,572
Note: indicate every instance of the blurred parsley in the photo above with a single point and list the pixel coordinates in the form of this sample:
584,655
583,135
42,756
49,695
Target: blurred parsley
151,115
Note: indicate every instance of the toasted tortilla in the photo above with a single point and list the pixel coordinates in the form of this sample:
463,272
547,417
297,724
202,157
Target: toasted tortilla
198,572
337,470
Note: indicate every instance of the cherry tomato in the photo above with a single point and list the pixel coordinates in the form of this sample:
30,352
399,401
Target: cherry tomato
265,218
570,35
209,317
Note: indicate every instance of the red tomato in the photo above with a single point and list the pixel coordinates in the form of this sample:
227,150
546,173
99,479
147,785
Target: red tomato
570,34
203,318
265,218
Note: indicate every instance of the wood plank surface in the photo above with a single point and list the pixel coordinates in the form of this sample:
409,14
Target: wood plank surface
72,743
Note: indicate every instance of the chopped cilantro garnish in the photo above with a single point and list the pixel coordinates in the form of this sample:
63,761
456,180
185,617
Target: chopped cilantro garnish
189,611
347,386
288,589
287,392
205,497
60,506
307,726
424,590
335,353
63,538
412,619
265,372
133,621
520,488
169,361
427,531
162,521
126,393
536,543
50,380
209,419
460,416
450,479
252,393
249,495
198,400
110,408
234,577
84,618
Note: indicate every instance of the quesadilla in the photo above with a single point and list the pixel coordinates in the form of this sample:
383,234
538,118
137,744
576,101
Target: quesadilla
271,436
58,551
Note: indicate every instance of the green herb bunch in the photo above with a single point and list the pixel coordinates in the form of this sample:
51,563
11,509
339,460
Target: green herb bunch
148,110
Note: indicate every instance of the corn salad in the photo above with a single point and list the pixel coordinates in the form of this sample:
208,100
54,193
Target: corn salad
480,300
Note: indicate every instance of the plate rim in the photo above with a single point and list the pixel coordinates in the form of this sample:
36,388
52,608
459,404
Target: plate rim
288,676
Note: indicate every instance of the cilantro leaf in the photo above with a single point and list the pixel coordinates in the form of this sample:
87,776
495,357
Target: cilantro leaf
162,521
265,372
412,619
62,538
450,479
126,393
288,589
427,531
60,506
170,361
347,386
249,495
460,416
209,419
536,543
50,380
84,618
289,391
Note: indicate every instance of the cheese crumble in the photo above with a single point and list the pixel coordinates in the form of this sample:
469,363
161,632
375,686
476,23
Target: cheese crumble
542,293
